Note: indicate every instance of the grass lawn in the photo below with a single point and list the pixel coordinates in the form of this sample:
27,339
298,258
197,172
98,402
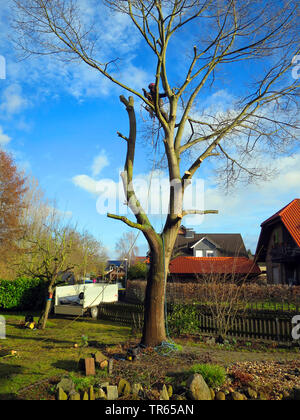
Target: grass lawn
43,357
43,354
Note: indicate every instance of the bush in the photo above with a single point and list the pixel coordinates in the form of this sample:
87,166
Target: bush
214,375
183,319
22,294
138,271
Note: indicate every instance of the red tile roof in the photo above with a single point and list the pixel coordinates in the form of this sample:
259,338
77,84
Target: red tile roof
217,265
290,216
141,260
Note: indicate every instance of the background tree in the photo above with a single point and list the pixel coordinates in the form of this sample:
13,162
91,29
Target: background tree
46,250
126,248
138,270
218,38
90,252
12,191
51,249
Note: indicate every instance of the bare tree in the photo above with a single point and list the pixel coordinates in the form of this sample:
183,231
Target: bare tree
218,37
87,253
126,247
45,254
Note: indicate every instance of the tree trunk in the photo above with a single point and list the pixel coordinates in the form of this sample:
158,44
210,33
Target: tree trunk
154,332
45,314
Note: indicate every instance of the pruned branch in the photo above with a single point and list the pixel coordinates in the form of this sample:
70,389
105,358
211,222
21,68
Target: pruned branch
126,221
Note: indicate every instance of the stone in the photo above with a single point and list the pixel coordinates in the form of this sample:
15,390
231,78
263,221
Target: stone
211,340
124,387
170,390
85,396
67,385
212,393
237,396
197,388
61,395
252,393
74,396
112,392
164,396
220,396
100,394
136,389
91,393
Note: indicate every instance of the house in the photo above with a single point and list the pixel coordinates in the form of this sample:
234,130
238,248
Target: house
116,270
198,255
189,243
279,245
143,260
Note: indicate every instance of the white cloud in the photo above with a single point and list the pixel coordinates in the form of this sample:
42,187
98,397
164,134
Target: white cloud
4,138
100,162
13,101
104,187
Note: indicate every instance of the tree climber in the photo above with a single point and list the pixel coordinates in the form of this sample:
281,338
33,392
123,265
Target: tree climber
151,96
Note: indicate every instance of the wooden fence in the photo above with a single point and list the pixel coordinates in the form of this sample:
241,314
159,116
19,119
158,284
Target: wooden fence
255,324
265,325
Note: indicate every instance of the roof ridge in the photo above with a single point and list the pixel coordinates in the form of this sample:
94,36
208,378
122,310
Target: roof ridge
284,209
289,215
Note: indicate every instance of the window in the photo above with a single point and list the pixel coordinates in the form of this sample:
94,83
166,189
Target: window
210,253
276,237
198,253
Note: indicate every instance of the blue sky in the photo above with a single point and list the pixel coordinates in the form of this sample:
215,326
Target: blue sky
60,123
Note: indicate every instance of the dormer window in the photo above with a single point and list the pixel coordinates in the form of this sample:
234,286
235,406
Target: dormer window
189,233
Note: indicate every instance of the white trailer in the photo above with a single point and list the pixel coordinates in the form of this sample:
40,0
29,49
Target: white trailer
80,298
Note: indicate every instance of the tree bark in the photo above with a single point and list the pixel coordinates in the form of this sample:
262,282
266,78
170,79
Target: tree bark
42,322
154,331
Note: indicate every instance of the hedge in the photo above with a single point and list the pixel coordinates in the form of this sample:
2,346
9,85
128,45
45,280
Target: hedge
190,292
22,293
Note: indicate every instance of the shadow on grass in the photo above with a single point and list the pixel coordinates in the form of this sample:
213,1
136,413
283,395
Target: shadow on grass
6,373
39,339
66,365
